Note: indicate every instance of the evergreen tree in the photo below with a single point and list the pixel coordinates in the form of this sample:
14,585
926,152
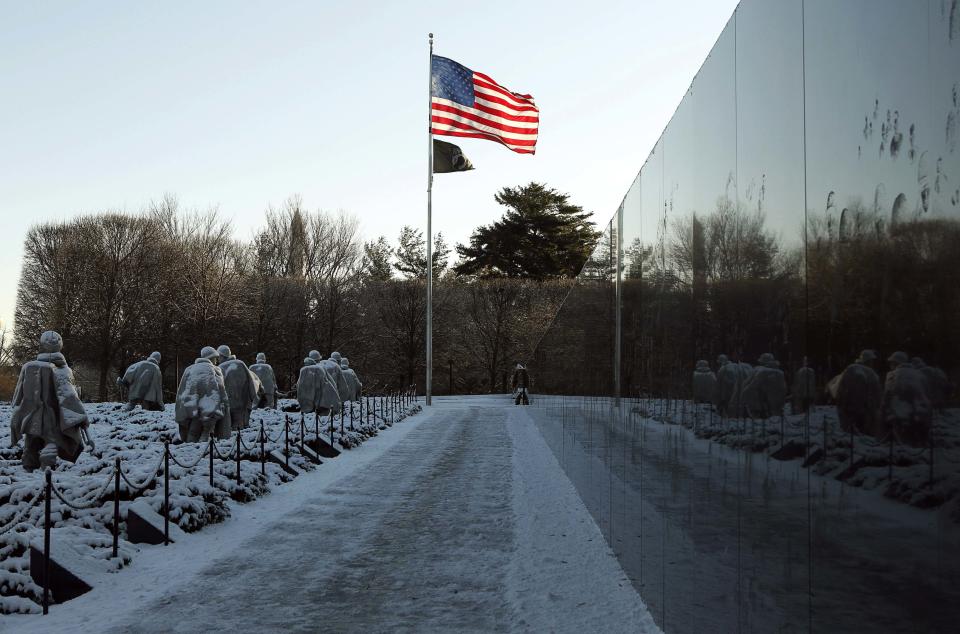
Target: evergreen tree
376,260
540,236
412,256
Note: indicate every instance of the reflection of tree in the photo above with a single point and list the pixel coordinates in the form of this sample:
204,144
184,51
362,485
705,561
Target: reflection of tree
727,245
893,289
576,354
725,285
635,257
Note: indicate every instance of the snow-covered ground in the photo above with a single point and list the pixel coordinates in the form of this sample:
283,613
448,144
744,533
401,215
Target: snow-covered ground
137,438
458,519
899,471
719,536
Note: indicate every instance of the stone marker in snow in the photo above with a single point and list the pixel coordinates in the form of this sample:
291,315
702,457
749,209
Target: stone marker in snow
145,526
71,572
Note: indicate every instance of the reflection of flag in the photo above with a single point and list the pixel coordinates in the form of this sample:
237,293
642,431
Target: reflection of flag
447,157
470,104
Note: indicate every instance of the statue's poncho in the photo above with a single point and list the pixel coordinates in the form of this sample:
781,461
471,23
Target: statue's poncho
46,405
202,395
316,392
353,383
144,382
765,392
857,391
704,383
731,378
268,381
242,385
336,375
907,410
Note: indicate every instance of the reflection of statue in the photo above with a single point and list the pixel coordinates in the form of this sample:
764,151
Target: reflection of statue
857,392
804,388
704,383
47,412
906,408
935,381
731,377
765,389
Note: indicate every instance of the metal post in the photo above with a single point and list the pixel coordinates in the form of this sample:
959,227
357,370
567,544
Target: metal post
890,460
430,224
351,413
238,457
166,492
826,421
286,440
851,446
116,506
211,460
47,493
303,434
263,451
342,414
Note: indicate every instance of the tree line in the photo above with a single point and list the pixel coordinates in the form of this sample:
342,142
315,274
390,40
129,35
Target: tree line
723,282
120,285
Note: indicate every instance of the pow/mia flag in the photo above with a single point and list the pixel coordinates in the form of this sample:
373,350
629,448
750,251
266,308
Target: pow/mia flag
447,157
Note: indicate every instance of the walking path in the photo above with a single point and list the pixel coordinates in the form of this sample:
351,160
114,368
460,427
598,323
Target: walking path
461,520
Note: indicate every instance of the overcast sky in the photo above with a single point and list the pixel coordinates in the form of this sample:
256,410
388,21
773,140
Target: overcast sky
239,105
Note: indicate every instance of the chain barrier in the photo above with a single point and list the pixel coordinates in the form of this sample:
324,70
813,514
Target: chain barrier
140,488
93,503
20,515
202,455
218,454
117,474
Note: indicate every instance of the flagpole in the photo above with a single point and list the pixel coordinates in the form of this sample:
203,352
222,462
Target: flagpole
429,387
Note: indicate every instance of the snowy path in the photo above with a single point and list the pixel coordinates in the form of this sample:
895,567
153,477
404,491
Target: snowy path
464,523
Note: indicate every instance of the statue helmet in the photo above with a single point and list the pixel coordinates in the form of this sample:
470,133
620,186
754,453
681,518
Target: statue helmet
51,341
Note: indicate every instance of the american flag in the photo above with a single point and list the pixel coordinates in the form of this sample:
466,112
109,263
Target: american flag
466,103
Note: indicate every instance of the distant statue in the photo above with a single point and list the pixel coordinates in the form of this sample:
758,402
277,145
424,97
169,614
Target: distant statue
268,381
857,393
765,389
731,377
353,382
332,368
316,392
935,381
906,408
243,387
202,405
47,412
704,383
143,382
804,388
